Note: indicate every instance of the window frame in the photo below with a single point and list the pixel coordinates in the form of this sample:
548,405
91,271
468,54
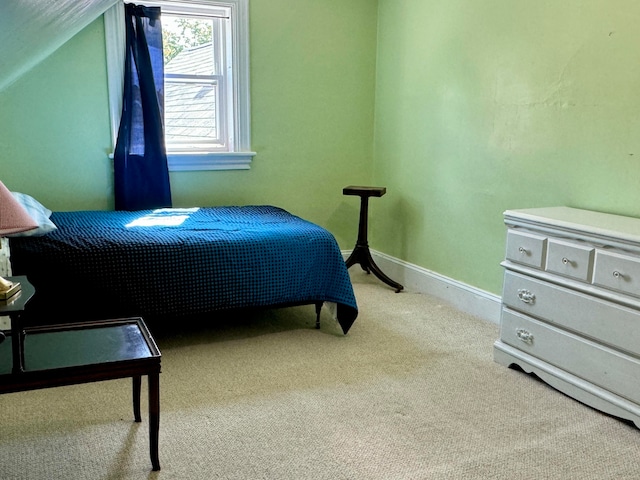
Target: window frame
240,155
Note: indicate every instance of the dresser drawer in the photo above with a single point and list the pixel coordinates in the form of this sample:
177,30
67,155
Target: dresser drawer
569,259
606,321
604,367
617,272
526,248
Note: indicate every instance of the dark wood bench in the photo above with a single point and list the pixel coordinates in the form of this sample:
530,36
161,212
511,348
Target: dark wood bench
74,353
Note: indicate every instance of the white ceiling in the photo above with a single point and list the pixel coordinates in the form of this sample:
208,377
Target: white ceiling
31,30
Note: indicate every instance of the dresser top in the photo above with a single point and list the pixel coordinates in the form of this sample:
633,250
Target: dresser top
576,220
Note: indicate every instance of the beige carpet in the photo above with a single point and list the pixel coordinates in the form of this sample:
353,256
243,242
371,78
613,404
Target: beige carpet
411,392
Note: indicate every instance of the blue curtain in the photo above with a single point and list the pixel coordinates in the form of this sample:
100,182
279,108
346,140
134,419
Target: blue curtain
141,174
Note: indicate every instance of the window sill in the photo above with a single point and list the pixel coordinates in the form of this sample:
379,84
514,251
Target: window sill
182,162
185,162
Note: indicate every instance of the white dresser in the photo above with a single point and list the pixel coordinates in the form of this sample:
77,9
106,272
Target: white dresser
571,304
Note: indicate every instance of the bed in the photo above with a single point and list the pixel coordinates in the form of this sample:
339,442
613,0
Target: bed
180,262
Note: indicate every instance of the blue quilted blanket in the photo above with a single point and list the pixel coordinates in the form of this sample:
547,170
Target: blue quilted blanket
175,262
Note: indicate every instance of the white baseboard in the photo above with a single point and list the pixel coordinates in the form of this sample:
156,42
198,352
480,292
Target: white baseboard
466,298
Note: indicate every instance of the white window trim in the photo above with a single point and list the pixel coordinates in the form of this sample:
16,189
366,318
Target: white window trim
236,160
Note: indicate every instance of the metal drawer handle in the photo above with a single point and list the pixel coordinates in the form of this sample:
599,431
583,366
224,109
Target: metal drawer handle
526,296
523,251
566,261
524,335
617,274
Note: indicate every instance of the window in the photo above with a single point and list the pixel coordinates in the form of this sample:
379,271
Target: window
207,123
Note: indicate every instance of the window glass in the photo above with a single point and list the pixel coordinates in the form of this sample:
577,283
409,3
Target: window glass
195,115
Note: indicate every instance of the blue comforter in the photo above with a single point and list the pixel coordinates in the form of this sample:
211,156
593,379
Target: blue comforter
175,262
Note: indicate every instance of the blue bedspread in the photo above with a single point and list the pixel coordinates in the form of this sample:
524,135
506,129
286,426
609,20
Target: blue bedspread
175,262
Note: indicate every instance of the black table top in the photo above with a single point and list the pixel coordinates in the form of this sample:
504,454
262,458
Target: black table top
82,345
17,302
364,191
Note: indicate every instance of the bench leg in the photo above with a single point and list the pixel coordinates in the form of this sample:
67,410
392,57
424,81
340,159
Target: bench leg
154,418
137,381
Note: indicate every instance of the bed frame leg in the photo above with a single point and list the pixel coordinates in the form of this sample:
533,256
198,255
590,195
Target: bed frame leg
318,309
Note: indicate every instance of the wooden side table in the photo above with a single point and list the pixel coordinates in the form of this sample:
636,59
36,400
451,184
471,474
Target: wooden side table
14,307
83,352
361,253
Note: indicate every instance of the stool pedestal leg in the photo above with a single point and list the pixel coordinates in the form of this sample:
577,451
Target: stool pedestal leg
361,253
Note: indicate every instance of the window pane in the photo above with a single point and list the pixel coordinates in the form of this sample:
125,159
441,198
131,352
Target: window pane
180,33
193,105
190,114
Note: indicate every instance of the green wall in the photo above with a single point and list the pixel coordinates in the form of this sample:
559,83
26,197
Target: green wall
54,128
487,106
461,109
312,82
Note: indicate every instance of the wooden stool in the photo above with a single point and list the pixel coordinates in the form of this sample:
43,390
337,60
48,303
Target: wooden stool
361,253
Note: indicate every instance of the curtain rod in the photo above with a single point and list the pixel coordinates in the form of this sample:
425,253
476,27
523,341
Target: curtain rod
179,13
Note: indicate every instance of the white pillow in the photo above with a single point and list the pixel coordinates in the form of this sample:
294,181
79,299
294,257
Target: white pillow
38,212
